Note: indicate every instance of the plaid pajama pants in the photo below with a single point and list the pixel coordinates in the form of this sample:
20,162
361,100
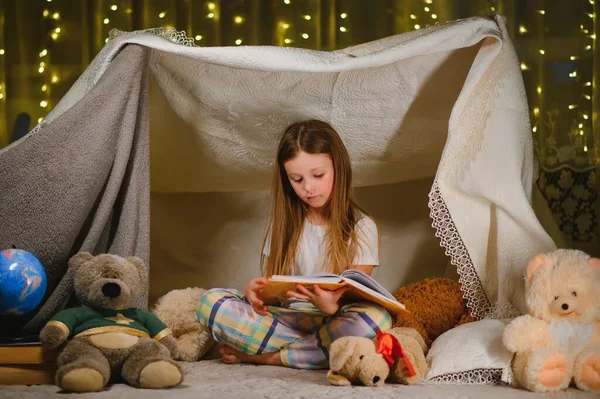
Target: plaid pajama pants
300,332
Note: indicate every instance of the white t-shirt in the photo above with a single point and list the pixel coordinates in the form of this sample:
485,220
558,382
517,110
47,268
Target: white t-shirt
310,255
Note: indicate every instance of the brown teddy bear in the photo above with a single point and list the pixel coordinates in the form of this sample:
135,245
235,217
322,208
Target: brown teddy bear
559,341
434,307
107,337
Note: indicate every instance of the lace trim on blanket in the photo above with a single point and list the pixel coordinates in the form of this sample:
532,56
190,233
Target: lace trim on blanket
475,376
171,34
450,239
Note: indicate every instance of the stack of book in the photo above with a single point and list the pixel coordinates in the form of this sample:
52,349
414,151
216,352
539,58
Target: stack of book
25,362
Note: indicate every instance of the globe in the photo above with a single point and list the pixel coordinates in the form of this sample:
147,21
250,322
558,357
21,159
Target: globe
22,282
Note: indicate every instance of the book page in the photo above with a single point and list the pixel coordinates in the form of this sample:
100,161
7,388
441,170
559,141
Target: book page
367,281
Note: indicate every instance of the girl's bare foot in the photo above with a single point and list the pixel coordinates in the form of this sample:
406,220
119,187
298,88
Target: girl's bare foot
233,356
229,355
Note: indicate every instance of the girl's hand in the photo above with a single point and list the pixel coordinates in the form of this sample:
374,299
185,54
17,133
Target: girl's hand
324,300
252,294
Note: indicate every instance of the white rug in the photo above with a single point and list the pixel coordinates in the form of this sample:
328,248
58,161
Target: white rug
213,379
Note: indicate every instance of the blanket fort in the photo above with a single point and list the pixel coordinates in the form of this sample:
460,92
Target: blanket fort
445,102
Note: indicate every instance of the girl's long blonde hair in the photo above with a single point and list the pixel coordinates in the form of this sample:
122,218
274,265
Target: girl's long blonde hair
288,211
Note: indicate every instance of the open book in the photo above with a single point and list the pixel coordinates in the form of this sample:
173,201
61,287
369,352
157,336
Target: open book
363,287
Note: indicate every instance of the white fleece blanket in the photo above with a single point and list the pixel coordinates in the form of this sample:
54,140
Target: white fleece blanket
446,101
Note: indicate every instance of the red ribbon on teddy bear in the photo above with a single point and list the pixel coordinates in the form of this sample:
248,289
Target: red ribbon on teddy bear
392,351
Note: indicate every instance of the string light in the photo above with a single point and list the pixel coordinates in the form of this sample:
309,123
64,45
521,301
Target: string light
305,36
307,17
286,1
522,29
524,66
428,9
198,37
114,7
106,21
343,15
238,41
238,19
584,106
44,55
162,14
343,29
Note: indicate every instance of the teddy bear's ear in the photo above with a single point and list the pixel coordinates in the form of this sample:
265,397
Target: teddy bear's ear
79,259
594,263
340,351
536,263
139,265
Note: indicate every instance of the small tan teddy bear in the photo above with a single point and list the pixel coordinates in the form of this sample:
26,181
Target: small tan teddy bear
394,356
108,337
434,306
177,309
559,341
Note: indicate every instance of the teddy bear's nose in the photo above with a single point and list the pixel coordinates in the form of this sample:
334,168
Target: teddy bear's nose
565,306
111,290
376,379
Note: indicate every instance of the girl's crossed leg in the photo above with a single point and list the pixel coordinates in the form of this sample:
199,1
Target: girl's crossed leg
298,336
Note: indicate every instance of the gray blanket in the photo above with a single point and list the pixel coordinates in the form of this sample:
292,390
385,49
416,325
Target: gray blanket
81,182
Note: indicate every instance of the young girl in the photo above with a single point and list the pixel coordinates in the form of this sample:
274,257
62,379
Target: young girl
315,226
